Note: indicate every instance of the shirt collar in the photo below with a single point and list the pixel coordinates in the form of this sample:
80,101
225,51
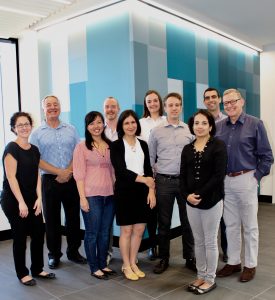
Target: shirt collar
45,125
166,124
241,119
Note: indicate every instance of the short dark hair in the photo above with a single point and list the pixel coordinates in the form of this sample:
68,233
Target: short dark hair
124,115
146,112
173,94
209,117
210,89
17,115
89,118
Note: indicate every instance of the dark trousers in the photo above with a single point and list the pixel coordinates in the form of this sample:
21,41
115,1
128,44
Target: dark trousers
22,227
223,236
152,227
53,194
167,190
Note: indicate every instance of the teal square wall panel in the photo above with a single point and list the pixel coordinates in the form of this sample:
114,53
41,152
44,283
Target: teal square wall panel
253,104
213,63
189,99
240,61
181,53
110,63
141,71
78,106
256,64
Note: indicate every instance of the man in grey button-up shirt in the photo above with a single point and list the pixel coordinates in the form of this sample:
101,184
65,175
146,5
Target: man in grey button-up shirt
165,146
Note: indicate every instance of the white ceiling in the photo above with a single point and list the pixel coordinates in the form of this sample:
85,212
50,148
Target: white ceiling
252,21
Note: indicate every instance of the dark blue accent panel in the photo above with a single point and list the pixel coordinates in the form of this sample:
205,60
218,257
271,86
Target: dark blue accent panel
78,106
213,64
189,99
181,53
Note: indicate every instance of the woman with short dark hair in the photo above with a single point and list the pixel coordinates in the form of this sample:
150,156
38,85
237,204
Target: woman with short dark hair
21,199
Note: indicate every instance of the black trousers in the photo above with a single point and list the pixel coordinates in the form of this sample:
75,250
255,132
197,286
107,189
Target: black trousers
223,237
22,227
167,190
152,227
53,194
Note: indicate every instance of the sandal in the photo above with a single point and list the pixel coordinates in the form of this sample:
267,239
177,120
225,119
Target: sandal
129,274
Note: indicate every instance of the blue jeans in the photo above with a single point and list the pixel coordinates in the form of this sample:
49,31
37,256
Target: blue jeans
98,222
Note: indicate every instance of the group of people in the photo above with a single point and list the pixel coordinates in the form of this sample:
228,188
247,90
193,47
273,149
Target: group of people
135,169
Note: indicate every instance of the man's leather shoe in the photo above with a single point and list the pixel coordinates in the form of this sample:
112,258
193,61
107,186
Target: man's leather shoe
228,270
77,258
191,264
153,253
161,266
247,274
53,263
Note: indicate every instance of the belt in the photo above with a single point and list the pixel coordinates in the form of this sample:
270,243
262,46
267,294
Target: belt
234,174
169,176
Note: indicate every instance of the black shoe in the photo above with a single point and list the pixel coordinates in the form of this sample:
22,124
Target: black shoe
53,263
77,258
161,266
109,272
225,258
104,276
46,276
191,264
153,253
30,282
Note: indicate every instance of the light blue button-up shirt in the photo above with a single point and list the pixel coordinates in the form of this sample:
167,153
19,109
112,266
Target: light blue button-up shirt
165,144
56,145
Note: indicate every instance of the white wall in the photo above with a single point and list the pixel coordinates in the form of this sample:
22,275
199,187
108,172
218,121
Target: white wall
267,92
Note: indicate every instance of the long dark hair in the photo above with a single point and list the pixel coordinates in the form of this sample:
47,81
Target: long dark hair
124,115
89,118
146,112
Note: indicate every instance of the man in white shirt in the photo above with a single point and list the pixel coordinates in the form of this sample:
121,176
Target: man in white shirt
111,110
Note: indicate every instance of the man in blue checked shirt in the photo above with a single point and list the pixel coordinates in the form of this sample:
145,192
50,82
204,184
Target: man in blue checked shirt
56,142
249,159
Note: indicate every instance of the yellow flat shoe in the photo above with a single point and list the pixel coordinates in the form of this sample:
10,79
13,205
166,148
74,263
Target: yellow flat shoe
128,273
137,271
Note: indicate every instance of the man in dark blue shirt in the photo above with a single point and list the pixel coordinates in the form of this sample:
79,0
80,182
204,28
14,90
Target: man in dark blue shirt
249,159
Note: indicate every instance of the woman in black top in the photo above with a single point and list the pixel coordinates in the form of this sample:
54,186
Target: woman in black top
134,189
203,168
21,199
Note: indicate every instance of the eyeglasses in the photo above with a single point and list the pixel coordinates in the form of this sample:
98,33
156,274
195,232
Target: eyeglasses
21,126
231,102
212,97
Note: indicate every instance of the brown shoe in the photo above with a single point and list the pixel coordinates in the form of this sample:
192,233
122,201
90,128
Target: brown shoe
247,274
228,270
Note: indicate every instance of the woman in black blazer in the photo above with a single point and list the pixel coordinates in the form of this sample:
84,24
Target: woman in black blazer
134,189
203,168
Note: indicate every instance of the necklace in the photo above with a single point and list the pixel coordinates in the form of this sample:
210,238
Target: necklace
100,148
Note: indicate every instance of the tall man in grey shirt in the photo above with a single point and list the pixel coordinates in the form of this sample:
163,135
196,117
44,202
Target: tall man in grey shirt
165,146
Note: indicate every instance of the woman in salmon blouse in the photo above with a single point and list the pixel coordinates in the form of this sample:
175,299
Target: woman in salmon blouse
93,172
